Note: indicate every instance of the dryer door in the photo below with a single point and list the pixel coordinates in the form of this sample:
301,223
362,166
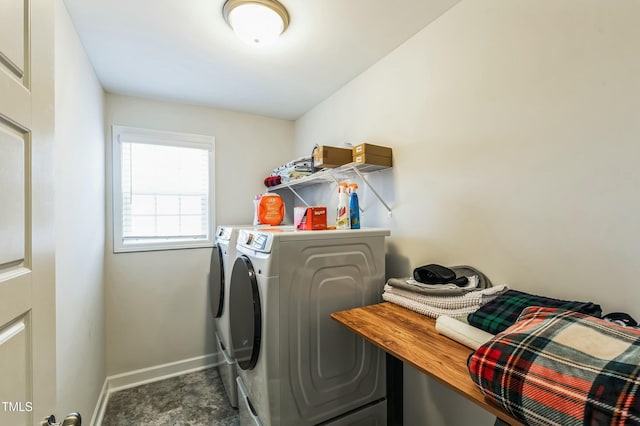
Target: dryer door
245,313
216,282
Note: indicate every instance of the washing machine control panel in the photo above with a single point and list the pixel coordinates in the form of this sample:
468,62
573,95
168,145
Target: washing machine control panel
223,233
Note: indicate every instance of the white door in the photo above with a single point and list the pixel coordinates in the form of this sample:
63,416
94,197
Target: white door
27,293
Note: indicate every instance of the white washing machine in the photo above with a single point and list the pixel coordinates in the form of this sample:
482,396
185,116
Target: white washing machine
296,366
222,257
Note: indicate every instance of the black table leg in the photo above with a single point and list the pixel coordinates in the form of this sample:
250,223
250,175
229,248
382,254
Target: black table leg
394,391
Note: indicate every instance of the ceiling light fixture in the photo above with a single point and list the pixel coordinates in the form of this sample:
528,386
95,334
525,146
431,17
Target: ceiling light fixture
256,22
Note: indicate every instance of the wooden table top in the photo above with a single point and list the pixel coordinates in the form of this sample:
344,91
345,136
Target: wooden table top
412,338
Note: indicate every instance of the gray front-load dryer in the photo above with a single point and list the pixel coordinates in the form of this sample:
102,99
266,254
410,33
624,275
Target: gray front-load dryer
296,366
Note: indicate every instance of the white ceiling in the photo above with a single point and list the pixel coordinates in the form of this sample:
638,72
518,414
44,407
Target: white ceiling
183,50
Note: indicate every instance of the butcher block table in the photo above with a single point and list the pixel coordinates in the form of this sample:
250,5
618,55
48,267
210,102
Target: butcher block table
413,339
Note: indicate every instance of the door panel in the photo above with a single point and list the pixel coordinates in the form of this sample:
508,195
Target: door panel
15,62
27,280
13,37
15,370
13,193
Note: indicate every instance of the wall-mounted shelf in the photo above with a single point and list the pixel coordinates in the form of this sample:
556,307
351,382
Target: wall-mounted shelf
335,175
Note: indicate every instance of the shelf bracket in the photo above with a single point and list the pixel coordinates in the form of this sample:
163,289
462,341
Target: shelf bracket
333,177
299,197
361,176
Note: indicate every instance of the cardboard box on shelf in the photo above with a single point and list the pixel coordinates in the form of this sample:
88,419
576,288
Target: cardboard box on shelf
372,159
310,218
370,149
331,156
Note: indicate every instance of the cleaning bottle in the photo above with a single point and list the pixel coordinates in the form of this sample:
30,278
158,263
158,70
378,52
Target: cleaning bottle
354,206
342,214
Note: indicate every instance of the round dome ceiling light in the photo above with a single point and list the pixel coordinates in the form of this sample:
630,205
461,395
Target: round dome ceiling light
256,22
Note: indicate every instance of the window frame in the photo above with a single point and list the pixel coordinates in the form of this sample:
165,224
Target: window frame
157,137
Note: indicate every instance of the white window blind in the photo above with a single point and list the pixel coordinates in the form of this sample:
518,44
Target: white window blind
162,190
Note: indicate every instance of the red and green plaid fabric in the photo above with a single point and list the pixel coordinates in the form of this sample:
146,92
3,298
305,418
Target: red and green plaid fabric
559,367
503,311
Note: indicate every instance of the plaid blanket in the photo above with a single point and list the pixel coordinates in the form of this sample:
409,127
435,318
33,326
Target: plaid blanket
558,367
502,312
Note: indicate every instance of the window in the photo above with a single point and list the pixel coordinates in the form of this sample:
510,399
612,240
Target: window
162,190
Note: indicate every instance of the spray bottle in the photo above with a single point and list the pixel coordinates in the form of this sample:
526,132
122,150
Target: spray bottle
354,206
342,214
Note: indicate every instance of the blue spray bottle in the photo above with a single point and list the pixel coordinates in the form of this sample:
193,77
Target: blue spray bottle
354,206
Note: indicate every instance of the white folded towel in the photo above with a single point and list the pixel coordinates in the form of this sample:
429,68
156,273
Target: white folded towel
448,289
471,299
430,311
461,332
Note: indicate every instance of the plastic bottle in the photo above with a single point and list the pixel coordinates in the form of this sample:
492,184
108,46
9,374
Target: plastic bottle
342,214
354,207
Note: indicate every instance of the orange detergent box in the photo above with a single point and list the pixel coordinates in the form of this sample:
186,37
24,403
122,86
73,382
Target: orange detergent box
310,218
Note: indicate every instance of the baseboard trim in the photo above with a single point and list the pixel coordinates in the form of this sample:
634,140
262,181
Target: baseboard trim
159,372
98,413
148,375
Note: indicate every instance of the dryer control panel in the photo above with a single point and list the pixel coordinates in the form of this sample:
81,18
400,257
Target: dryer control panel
258,241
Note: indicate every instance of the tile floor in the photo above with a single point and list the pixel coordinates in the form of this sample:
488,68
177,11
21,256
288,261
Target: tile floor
195,399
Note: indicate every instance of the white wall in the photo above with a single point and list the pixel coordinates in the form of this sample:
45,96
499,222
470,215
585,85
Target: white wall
157,308
515,130
79,220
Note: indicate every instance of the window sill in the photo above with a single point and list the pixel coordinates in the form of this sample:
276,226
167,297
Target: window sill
160,245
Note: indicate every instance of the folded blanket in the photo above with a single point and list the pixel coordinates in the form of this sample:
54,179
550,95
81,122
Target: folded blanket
502,312
430,311
560,367
471,299
461,332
